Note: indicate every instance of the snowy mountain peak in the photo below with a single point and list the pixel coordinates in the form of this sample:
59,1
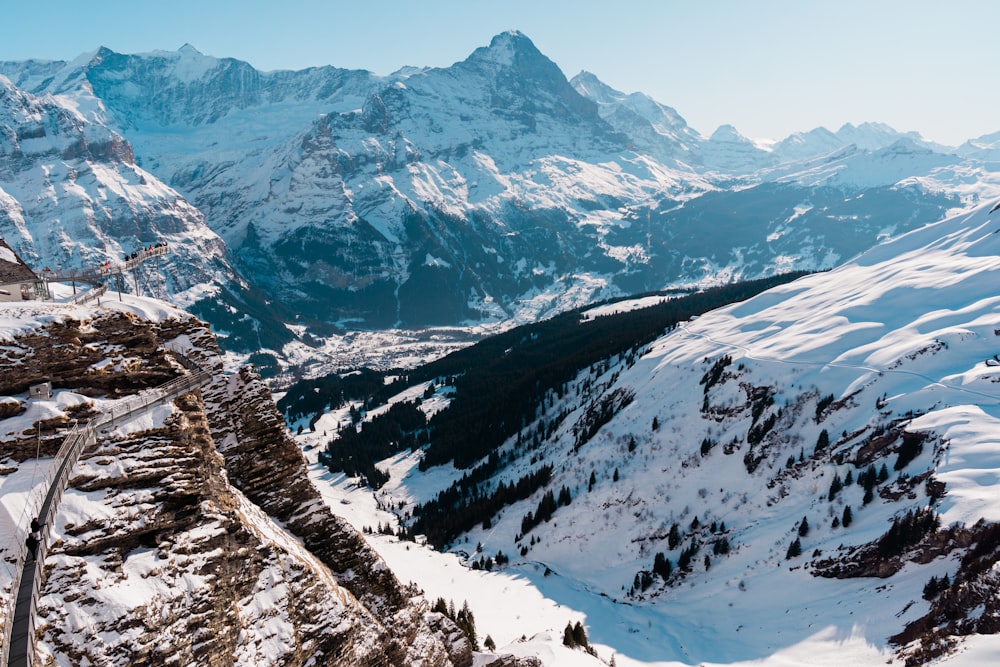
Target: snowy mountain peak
729,133
653,128
513,52
588,85
872,136
508,46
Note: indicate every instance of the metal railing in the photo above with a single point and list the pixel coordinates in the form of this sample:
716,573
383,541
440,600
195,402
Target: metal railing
91,294
107,269
135,259
19,624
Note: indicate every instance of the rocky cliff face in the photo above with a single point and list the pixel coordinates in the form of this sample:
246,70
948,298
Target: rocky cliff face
190,533
73,196
267,466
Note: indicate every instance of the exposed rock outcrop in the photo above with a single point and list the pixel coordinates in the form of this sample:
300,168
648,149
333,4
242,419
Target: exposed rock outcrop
266,465
190,534
180,569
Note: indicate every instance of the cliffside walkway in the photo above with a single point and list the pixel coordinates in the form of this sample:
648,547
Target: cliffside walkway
108,269
19,628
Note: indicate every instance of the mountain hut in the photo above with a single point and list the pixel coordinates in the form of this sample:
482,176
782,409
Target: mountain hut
17,281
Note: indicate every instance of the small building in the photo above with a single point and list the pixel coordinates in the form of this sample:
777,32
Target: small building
17,281
40,391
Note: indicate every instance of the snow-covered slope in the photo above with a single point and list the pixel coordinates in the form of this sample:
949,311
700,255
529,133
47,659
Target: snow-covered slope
73,197
653,128
757,418
853,167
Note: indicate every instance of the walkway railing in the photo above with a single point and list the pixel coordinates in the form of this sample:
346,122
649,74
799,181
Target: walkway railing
19,625
91,294
108,268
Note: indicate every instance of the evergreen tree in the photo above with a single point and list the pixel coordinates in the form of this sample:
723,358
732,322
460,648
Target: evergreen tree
721,546
684,561
907,530
593,480
794,549
580,635
883,474
489,644
849,479
656,424
614,478
848,517
835,486
931,589
467,623
823,441
661,565
568,639
674,538
869,496
804,527
868,479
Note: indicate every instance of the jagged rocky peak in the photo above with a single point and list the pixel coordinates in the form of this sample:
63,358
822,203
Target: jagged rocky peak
872,136
588,85
181,87
511,49
801,145
520,74
497,168
653,128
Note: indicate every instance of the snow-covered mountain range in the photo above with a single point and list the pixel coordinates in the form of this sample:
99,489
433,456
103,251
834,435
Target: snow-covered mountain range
494,190
806,477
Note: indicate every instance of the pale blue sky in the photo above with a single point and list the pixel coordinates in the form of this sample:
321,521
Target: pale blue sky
769,67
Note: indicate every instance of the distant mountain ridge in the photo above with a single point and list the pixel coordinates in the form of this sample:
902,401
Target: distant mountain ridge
492,190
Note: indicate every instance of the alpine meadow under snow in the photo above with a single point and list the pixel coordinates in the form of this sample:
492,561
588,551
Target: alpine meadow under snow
806,476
